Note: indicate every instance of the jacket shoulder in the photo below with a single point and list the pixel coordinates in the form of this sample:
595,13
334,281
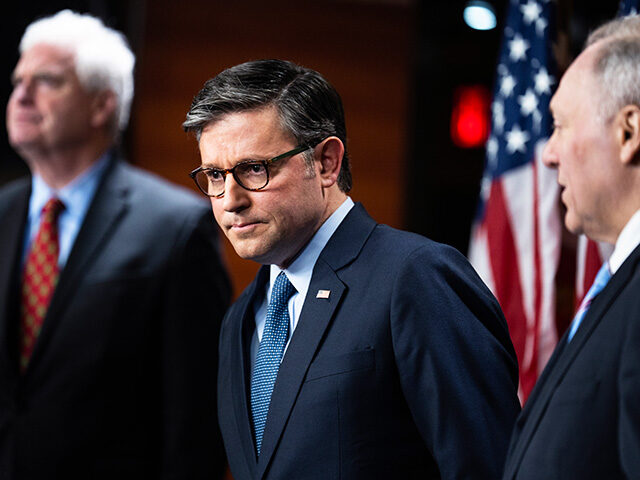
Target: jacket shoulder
13,191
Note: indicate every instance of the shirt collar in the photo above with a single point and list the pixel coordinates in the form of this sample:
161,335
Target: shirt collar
76,195
300,271
626,243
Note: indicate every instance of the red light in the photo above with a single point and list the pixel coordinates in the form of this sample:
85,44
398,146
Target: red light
470,116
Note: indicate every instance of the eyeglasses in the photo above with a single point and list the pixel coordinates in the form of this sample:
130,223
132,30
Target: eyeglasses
251,175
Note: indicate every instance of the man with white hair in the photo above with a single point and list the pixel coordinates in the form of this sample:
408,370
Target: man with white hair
582,419
111,283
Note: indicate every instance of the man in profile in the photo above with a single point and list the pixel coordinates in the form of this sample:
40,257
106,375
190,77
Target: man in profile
359,351
582,419
111,286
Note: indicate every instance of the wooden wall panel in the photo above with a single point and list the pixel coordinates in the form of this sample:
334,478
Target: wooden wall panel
362,48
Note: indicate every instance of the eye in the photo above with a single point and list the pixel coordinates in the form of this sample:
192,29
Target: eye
215,175
49,80
252,169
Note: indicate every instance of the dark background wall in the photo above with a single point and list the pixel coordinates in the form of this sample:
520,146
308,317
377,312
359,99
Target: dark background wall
396,63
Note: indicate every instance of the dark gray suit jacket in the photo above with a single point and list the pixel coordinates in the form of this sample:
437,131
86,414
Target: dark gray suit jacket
120,383
405,371
582,419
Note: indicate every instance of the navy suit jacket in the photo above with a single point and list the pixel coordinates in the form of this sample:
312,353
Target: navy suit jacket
582,419
119,384
405,371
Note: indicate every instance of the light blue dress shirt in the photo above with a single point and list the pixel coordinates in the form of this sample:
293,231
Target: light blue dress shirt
299,274
76,197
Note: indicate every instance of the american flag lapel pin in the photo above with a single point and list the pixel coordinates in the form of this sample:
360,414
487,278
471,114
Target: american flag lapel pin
323,293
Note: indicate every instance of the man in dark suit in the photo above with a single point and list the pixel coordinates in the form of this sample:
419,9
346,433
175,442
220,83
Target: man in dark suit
582,419
111,286
359,351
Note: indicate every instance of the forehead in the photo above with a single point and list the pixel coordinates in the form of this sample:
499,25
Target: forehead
246,134
43,57
578,90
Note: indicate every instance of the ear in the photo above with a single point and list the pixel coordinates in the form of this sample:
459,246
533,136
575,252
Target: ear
629,133
103,108
329,154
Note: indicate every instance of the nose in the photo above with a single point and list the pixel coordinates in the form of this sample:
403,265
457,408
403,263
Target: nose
235,198
549,154
23,91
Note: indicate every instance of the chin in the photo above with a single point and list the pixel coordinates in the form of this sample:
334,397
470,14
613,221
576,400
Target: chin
573,225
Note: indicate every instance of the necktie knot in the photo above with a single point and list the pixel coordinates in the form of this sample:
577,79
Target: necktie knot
282,290
602,278
52,209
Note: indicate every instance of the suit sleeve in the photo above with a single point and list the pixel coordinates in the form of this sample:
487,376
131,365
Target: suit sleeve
194,302
629,393
457,366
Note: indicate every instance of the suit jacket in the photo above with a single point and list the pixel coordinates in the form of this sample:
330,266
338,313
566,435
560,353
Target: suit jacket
119,383
405,371
582,419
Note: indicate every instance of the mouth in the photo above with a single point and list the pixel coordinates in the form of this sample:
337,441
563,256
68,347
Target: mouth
242,227
25,118
562,194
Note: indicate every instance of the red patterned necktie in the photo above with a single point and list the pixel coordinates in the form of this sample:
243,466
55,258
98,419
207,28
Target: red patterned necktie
39,279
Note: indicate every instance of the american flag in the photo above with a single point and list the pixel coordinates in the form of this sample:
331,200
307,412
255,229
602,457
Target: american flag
515,244
628,7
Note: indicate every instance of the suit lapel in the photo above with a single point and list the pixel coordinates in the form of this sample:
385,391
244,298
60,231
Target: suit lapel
108,206
316,315
314,319
11,233
563,358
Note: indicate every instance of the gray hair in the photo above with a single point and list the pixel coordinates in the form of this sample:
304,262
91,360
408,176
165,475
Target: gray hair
310,109
617,63
103,59
618,27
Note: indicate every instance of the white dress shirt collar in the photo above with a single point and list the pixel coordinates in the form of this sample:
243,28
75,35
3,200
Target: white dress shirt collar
626,243
299,274
300,271
76,197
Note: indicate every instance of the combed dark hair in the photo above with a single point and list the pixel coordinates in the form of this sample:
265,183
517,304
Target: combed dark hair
308,105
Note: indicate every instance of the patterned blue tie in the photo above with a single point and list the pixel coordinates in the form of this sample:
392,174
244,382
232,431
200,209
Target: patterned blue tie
602,278
274,339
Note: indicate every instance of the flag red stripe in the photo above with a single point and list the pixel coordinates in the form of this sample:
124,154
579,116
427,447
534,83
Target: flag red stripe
506,272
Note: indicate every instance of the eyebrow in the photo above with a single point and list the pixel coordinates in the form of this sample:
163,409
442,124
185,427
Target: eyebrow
45,72
246,160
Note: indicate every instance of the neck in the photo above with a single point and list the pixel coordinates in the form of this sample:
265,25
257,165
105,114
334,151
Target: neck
335,198
60,167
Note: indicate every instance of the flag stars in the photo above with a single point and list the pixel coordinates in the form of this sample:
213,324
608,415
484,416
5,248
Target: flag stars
492,152
541,24
530,12
507,84
528,102
499,118
518,48
516,140
543,81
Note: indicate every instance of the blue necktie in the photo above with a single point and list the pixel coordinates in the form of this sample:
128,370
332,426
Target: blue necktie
602,278
274,339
